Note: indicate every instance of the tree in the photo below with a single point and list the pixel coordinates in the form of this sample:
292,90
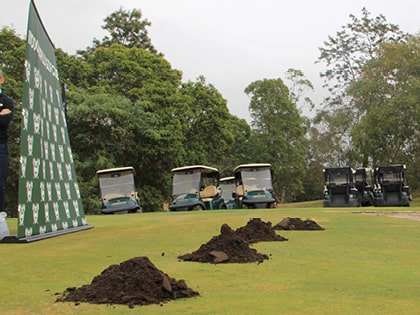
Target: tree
73,70
238,150
278,133
12,61
299,86
205,119
181,123
109,131
134,95
132,72
101,131
345,54
312,180
390,84
125,28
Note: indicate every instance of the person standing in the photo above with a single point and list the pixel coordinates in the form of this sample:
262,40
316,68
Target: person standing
7,108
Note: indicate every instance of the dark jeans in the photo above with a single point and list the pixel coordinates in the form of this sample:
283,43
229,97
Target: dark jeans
4,168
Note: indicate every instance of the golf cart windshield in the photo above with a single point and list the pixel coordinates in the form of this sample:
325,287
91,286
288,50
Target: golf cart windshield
392,176
116,183
228,187
359,177
186,182
338,178
256,179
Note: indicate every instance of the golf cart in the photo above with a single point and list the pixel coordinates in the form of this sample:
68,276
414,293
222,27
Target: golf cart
363,180
117,189
340,190
254,188
196,187
391,186
227,184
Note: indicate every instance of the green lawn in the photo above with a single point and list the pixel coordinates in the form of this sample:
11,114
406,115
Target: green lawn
360,264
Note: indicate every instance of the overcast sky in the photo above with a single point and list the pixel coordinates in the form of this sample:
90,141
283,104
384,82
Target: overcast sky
230,42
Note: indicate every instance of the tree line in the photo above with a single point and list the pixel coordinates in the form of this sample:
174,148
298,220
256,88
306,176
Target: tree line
127,106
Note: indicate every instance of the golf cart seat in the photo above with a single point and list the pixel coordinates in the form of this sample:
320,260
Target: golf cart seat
240,191
208,193
112,196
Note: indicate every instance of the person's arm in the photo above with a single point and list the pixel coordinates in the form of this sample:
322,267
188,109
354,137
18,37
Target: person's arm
6,112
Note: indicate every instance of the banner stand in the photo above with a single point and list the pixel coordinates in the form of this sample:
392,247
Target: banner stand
49,199
13,239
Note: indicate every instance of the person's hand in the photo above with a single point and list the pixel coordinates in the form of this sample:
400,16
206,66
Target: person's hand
5,111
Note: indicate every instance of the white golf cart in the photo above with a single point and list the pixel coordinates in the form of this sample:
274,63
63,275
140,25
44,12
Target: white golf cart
254,187
196,187
117,189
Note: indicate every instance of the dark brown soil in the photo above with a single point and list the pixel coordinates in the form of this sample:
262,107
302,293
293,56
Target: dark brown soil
138,282
257,230
233,246
297,224
133,282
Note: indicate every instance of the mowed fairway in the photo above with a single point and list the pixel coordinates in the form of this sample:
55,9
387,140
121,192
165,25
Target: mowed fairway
360,264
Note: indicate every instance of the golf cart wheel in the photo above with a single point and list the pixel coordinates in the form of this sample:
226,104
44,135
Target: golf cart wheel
198,208
245,206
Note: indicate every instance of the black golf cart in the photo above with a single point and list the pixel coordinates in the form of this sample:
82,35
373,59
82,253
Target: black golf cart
363,180
391,187
339,187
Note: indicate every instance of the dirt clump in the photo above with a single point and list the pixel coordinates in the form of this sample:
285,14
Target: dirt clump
133,282
227,247
257,230
297,224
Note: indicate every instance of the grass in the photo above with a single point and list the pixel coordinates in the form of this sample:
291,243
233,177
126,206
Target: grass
359,265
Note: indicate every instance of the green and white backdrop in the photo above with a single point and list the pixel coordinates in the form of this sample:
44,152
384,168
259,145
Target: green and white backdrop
49,196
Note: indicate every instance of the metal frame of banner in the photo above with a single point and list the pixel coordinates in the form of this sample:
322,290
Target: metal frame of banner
13,239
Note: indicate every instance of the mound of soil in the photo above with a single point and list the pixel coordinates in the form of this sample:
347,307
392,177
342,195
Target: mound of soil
133,282
257,230
225,248
297,224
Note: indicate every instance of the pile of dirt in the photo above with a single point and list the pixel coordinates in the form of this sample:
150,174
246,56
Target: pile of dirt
297,224
225,248
133,282
257,230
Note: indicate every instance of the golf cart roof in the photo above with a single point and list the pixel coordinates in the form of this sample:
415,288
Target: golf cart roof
203,168
116,169
396,168
226,179
335,170
363,169
252,165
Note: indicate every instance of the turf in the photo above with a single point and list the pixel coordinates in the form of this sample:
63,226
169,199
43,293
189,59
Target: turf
360,264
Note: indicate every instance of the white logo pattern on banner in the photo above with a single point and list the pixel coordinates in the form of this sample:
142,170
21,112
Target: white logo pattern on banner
23,160
57,188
